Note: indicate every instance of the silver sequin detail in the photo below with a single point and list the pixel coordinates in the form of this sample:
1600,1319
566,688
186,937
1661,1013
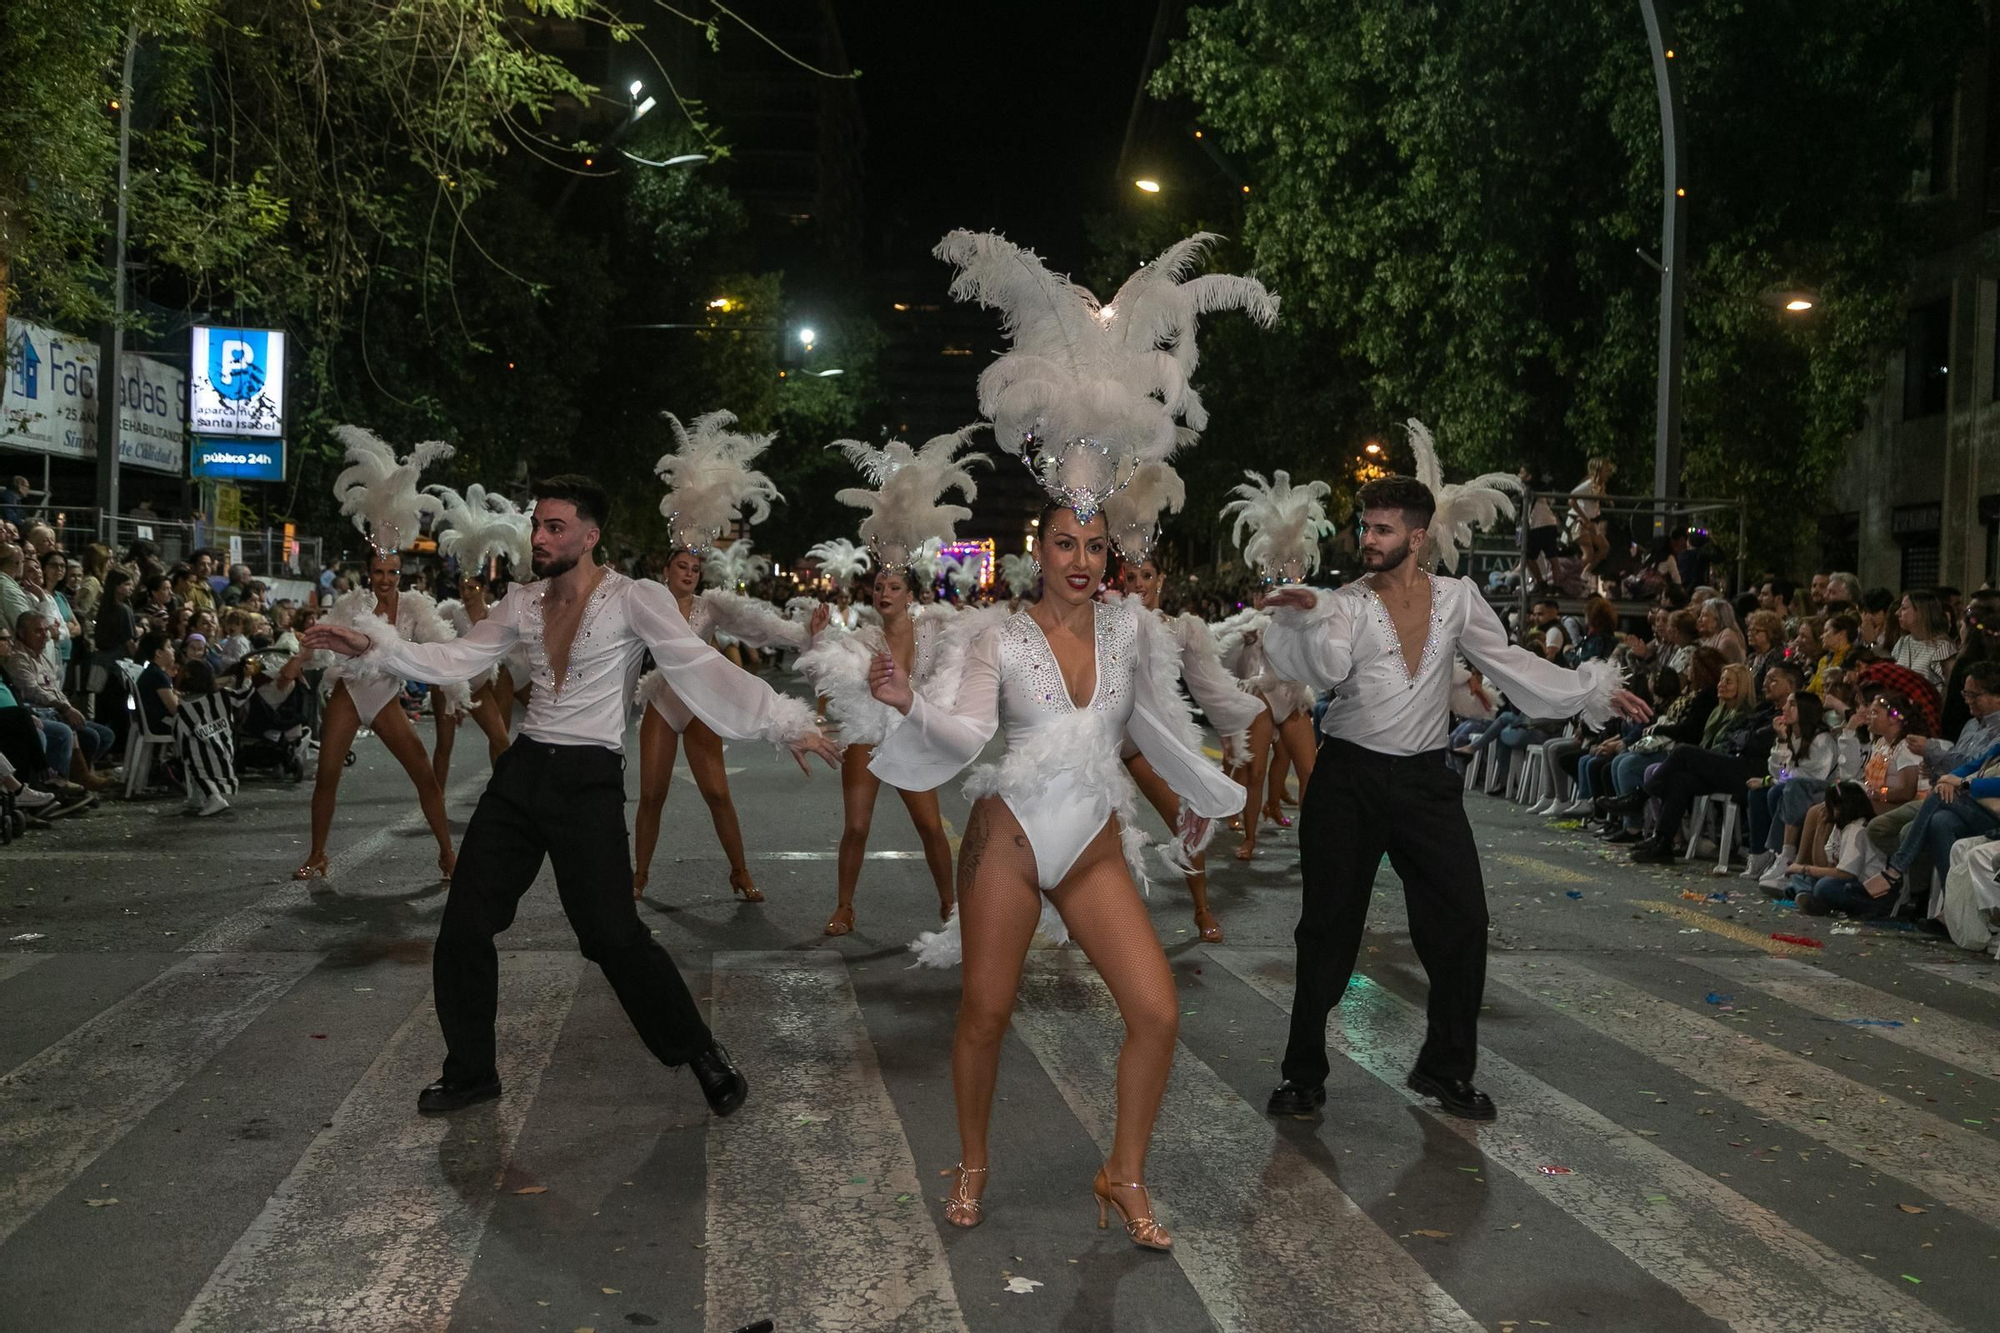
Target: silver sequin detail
1433,641
1117,645
544,671
702,620
1025,655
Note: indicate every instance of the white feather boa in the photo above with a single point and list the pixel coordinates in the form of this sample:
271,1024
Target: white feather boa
418,620
1194,638
837,666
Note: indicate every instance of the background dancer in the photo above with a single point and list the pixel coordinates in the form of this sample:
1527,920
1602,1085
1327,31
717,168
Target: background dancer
1386,643
559,790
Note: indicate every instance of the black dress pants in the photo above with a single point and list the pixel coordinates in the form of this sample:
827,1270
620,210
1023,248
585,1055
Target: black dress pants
566,803
1691,771
1359,805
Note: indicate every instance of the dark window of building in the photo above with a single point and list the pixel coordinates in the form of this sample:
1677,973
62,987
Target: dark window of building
1921,558
1927,360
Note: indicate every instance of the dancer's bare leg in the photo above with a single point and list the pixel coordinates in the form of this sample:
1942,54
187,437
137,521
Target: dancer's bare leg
704,753
1162,798
1260,759
1300,745
924,813
1108,920
392,727
658,743
503,707
446,725
339,723
998,906
1274,787
487,712
858,788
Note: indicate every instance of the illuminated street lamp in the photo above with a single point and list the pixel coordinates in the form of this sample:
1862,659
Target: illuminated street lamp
1148,185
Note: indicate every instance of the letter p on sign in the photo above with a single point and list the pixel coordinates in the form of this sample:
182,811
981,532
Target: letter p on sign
237,357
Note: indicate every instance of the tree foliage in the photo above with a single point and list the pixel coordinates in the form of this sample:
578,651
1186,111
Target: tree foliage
1451,195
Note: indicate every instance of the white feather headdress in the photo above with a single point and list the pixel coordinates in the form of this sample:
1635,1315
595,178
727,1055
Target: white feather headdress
1134,513
733,565
962,572
483,524
1020,573
1461,506
903,509
709,479
380,493
924,564
1286,523
1088,391
840,560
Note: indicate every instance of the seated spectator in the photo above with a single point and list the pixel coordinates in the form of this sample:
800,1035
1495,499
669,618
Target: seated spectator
235,644
1715,623
1841,885
1893,761
156,600
157,696
1926,646
1682,637
22,744
1878,622
1765,641
1600,631
1803,762
1681,723
1962,805
1836,648
73,742
1942,755
204,738
36,804
1735,743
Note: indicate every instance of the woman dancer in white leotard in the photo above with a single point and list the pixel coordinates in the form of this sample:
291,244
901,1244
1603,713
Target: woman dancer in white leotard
479,699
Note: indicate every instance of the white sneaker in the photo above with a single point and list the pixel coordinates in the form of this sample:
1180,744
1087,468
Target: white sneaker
1776,873
1578,807
31,800
1759,863
215,805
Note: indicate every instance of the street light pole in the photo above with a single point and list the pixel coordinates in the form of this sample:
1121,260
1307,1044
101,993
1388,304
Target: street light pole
111,340
1673,259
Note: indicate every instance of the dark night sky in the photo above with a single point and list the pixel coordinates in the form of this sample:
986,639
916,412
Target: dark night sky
994,116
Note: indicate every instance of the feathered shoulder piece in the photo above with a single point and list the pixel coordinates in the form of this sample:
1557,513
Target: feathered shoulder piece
483,524
1461,506
733,565
907,484
1020,573
1286,523
840,560
1090,390
380,493
709,479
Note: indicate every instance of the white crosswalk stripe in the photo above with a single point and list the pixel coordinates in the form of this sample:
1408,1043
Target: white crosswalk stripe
1248,1214
60,1110
1976,975
13,965
1728,1256
1843,1000
1948,1161
816,1152
390,1194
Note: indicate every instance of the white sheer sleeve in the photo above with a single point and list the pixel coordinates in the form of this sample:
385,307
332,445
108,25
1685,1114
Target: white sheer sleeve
1313,647
931,744
1164,732
1535,686
447,660
730,700
754,622
1229,707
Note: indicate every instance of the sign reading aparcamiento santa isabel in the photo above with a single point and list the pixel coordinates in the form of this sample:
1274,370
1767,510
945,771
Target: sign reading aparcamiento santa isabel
236,382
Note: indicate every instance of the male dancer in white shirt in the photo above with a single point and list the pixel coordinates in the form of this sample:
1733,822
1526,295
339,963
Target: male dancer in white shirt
559,790
1387,642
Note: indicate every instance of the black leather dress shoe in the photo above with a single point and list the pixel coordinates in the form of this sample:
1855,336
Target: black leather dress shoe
1653,852
720,1081
442,1098
1631,803
1455,1095
1290,1098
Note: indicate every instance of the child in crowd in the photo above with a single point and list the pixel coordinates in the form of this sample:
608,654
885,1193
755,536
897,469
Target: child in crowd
1804,760
203,736
1822,890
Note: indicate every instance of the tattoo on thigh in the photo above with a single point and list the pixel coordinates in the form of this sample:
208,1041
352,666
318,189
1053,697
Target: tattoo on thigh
970,851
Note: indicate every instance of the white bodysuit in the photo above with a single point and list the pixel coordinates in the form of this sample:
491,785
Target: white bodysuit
1061,774
370,687
716,614
1241,642
837,664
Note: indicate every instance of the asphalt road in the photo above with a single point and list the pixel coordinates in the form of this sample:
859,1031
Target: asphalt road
206,1120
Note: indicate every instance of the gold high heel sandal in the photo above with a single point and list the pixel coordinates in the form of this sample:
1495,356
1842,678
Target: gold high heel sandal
960,1208
1210,928
740,882
1144,1232
315,868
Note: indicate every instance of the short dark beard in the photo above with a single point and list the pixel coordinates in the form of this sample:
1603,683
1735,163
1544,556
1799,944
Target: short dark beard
551,568
1390,559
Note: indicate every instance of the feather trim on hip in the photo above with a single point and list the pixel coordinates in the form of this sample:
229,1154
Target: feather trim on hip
1079,746
837,666
945,948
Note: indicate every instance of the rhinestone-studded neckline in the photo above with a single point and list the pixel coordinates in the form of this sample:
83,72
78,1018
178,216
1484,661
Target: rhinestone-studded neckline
1394,642
1045,678
547,672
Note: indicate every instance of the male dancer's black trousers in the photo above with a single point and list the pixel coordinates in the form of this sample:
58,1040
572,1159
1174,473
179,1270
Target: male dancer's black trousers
565,802
1360,804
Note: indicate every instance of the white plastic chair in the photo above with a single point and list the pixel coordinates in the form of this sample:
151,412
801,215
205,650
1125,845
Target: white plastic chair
1698,828
1535,786
140,741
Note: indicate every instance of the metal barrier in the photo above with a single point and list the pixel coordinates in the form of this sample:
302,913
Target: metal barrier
263,549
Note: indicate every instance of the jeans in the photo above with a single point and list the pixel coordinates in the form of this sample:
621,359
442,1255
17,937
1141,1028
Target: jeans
1628,771
1787,803
1843,893
58,744
1937,826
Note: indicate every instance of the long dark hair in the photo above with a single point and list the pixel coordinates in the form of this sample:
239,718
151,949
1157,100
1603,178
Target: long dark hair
1847,802
1812,722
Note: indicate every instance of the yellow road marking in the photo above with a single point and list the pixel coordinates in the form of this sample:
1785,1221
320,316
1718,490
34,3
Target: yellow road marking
1727,929
1546,869
951,836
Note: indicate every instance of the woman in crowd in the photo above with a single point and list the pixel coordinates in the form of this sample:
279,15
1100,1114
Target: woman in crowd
1803,762
90,585
1979,637
1286,719
1680,724
1927,646
1715,623
1960,806
1851,863
1765,632
116,639
1879,629
481,698
1734,745
1600,631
